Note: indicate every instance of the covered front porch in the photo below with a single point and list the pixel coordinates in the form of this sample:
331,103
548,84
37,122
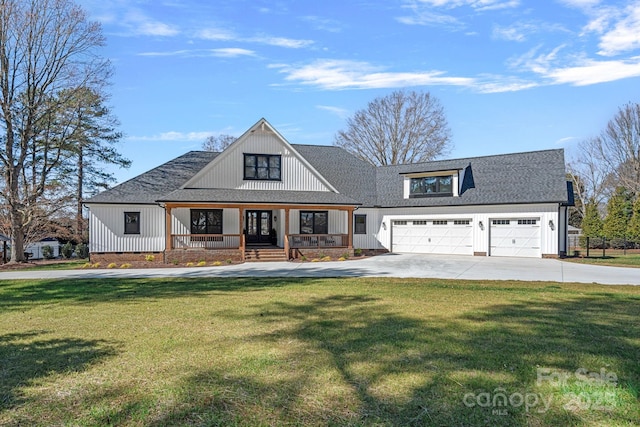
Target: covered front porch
215,231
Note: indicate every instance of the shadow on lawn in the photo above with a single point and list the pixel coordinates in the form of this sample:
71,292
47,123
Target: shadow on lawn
391,369
25,358
17,294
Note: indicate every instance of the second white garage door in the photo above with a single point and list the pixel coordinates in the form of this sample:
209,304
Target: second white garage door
433,236
515,237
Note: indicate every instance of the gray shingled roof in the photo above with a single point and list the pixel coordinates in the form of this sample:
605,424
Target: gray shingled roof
348,174
152,185
532,177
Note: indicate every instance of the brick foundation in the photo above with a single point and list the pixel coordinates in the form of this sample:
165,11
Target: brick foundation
479,254
552,256
312,253
183,256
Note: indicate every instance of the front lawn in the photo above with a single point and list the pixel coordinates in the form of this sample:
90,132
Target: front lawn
318,352
611,259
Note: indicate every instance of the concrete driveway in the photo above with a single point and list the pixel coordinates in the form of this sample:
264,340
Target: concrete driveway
389,265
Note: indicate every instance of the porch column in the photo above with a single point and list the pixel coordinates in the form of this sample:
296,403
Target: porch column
286,231
350,228
169,240
241,231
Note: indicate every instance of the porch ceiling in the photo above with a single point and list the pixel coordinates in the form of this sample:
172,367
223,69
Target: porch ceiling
266,197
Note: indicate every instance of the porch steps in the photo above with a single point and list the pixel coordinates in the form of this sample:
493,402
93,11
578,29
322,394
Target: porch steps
264,255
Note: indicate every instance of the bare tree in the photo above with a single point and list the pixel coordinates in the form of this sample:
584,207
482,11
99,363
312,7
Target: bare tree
218,143
609,160
402,127
592,179
47,48
618,147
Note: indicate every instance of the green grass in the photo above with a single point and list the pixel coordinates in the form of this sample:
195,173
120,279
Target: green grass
384,352
596,258
54,265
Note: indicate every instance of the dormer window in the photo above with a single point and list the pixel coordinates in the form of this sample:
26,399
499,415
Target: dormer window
262,167
429,186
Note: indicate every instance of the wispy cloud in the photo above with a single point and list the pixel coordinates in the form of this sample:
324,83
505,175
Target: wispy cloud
592,72
221,34
522,31
279,41
625,34
577,70
230,52
343,113
434,12
475,4
343,74
213,33
323,24
138,23
174,136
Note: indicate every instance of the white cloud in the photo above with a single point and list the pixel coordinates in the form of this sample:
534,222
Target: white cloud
581,4
578,70
280,41
424,12
215,34
323,24
340,112
593,72
476,4
625,35
343,74
230,52
521,31
218,34
140,24
173,136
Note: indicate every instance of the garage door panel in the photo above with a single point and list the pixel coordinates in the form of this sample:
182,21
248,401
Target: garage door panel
515,237
445,237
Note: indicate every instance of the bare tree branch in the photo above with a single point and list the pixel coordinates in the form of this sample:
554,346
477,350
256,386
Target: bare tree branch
402,127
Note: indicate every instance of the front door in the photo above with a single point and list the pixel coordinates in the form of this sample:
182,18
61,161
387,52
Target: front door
258,226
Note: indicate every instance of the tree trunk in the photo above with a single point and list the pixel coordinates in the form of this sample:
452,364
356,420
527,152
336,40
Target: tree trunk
79,219
17,237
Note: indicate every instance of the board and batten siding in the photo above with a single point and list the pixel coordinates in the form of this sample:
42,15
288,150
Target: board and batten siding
106,229
379,223
228,170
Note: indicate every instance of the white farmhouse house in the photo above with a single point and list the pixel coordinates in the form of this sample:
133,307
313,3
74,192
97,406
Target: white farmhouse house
264,198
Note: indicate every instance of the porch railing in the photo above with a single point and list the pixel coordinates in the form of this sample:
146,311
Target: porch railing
205,241
318,240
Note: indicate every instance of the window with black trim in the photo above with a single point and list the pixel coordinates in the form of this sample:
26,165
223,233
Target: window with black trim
262,167
132,223
314,222
360,224
428,186
206,221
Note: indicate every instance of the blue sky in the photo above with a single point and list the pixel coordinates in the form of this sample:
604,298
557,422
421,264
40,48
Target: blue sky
512,75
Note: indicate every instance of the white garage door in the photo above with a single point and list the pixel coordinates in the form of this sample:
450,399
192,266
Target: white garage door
515,237
433,237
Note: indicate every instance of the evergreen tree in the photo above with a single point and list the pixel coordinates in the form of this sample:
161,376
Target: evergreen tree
592,222
634,224
618,214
